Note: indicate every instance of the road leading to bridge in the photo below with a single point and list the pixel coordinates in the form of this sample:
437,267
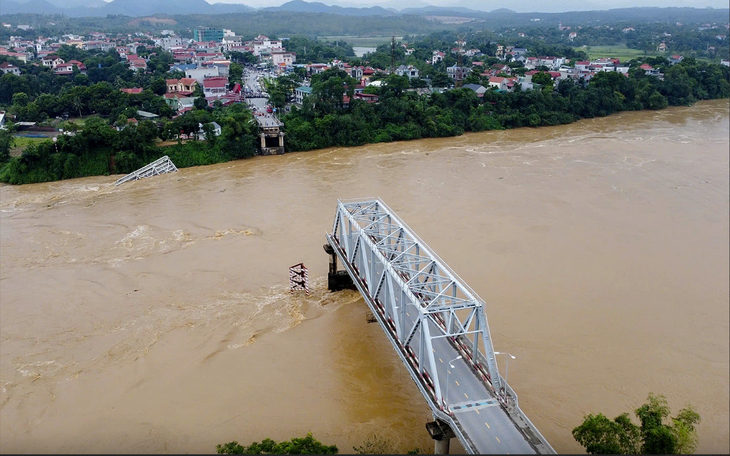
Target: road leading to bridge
434,321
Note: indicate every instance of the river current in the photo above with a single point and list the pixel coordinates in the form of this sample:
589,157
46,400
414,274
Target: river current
156,316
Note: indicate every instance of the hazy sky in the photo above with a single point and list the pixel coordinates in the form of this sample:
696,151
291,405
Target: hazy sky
488,5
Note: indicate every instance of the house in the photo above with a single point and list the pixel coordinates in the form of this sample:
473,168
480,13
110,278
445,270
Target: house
501,83
132,90
184,85
2,120
52,61
300,93
64,69
499,53
7,67
437,57
675,59
725,62
479,89
79,66
650,71
366,97
215,87
457,73
367,74
572,35
500,68
216,130
662,47
178,102
410,71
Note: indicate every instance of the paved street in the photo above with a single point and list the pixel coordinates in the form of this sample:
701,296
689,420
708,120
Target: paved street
258,105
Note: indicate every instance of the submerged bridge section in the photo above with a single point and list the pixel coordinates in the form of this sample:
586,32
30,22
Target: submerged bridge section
437,325
160,166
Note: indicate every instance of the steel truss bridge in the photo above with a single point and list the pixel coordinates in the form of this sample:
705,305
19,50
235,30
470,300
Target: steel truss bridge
437,325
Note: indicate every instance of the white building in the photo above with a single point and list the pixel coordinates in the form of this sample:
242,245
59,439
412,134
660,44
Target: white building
200,73
283,58
410,71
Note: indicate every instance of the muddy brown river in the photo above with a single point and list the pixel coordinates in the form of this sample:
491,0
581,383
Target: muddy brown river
156,317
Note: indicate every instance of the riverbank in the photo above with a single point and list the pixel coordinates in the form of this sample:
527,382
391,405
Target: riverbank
398,115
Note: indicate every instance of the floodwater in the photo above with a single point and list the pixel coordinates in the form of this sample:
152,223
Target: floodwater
155,316
362,50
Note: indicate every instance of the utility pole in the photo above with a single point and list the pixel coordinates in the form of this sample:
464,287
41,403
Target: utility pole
392,55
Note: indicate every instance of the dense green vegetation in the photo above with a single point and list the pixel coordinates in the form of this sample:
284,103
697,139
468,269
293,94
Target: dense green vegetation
402,115
309,445
102,149
304,445
599,435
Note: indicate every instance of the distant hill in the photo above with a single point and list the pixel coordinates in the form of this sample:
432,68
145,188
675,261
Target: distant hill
134,8
300,6
443,11
33,6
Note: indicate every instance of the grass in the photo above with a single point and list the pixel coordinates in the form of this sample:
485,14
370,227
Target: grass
619,51
361,41
21,143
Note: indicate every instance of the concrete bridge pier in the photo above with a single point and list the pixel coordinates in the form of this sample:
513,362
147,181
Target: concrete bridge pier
337,280
441,434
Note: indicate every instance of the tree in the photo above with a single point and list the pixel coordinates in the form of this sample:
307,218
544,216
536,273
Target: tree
305,445
200,103
441,80
20,99
599,435
6,143
542,79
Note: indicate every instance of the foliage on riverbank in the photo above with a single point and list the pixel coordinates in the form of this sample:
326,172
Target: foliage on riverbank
323,121
100,149
657,434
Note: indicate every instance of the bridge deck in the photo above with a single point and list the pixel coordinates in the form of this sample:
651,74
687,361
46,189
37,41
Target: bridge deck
429,315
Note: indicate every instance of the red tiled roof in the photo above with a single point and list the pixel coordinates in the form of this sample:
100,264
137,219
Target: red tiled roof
132,90
215,82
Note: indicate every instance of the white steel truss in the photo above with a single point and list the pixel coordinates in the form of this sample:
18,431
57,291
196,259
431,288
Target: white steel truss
419,301
160,166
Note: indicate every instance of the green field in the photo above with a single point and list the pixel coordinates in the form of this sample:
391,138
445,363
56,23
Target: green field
364,41
619,51
21,142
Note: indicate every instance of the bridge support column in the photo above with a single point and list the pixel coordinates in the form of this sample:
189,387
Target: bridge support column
441,434
337,280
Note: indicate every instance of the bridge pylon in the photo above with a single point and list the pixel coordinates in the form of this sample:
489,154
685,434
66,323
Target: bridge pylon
441,434
337,280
